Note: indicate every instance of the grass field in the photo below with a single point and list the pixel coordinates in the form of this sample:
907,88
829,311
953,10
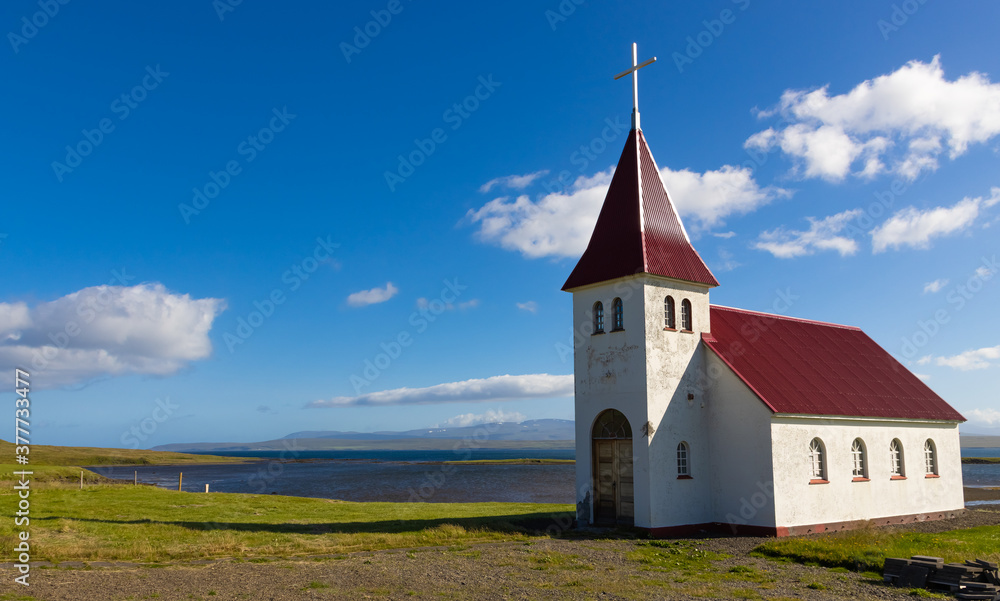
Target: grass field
52,455
149,524
866,549
980,460
522,461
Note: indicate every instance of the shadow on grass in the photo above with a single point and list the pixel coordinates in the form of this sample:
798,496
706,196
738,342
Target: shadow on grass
559,524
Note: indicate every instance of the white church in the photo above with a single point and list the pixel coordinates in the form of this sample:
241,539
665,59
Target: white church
697,417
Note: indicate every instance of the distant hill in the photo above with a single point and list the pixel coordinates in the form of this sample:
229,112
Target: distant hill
973,440
536,429
532,434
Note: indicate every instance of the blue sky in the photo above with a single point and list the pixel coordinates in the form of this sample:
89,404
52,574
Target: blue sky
210,230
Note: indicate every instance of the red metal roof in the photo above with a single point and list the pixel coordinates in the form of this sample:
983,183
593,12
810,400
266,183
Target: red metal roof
638,230
815,368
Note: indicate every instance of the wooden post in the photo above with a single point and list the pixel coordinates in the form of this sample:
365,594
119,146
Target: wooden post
206,487
81,479
180,479
135,478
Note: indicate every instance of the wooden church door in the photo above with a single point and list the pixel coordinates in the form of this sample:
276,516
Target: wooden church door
614,497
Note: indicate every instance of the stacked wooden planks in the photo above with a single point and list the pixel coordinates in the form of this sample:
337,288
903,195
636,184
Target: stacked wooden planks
973,580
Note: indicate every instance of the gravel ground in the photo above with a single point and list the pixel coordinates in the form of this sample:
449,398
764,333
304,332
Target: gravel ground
584,568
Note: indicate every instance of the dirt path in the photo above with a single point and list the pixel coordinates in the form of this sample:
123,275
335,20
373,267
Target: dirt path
606,569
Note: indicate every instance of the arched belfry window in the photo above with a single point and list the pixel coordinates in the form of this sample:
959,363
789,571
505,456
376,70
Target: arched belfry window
619,315
598,317
669,321
686,324
612,424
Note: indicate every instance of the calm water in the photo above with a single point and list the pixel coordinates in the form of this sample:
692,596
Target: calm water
377,476
413,476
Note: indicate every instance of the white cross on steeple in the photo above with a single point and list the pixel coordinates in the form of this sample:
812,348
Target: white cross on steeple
635,83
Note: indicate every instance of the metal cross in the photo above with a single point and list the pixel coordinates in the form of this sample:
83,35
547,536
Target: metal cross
635,83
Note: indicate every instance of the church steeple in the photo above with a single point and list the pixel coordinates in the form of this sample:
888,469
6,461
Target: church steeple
638,230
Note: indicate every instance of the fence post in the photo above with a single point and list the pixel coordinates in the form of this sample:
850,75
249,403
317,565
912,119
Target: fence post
180,479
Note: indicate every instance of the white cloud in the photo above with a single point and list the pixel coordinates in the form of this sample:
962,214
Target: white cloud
530,306
496,388
106,331
915,228
423,303
989,417
491,416
899,123
560,224
969,360
935,286
514,182
725,235
376,295
823,234
923,377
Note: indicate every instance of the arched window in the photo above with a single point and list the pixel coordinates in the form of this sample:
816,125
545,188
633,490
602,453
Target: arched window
686,315
668,313
930,458
612,424
859,460
817,460
683,461
598,317
619,323
896,458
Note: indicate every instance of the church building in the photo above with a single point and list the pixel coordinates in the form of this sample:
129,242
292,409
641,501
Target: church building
692,416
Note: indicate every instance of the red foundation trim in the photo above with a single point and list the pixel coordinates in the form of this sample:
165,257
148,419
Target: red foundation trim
781,531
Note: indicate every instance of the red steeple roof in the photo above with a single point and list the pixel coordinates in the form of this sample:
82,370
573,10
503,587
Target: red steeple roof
638,230
814,368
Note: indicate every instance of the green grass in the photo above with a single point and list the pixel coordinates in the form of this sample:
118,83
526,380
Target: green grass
867,548
980,460
149,524
680,556
52,455
524,461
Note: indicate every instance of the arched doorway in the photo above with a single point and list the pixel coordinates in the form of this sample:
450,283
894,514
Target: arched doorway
614,496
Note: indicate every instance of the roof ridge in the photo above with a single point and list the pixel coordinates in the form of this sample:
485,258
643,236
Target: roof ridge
786,317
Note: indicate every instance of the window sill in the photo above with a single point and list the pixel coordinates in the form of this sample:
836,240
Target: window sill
618,330
687,331
685,478
816,481
669,329
860,480
898,478
931,476
597,333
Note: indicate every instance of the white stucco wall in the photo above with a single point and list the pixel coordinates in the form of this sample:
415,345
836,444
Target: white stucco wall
675,364
609,373
742,490
800,503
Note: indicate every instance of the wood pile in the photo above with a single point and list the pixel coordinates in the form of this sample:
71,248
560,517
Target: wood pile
976,579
